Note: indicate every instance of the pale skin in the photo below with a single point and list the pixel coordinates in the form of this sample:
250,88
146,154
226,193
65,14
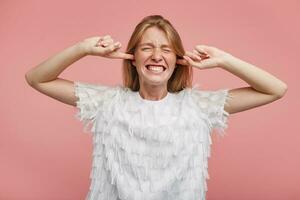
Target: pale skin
154,48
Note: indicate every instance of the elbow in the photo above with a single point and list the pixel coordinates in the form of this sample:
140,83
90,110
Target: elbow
29,79
282,91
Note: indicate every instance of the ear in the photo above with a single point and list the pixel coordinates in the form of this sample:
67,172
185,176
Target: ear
133,63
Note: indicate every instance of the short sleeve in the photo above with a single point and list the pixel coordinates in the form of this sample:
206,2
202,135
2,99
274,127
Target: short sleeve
212,104
90,99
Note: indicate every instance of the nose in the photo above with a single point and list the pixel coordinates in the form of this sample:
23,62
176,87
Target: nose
157,55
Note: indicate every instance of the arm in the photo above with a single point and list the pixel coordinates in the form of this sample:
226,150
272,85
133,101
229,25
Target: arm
44,77
264,87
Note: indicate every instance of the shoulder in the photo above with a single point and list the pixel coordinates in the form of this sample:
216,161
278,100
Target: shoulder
96,88
93,94
207,95
209,101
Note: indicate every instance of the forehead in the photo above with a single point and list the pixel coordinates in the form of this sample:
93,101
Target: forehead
155,36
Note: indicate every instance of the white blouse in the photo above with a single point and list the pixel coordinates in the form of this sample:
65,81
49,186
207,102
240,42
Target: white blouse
149,150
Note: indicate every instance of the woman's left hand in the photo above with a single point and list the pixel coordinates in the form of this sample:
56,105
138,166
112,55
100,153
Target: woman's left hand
204,57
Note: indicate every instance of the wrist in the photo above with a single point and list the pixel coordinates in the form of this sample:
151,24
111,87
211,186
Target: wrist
82,48
227,61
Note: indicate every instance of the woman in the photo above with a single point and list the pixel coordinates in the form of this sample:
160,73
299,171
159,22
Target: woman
152,135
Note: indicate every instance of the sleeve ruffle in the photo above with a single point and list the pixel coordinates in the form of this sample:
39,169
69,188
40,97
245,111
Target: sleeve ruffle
90,98
212,103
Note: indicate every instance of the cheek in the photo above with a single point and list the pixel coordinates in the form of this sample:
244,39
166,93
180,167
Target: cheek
171,61
139,59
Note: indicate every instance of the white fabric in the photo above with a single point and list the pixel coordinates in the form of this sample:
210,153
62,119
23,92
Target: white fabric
150,150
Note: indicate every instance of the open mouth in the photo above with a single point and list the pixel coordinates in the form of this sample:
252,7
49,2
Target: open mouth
156,68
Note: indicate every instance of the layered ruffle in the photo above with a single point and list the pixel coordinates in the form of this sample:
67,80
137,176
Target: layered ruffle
150,151
212,103
91,98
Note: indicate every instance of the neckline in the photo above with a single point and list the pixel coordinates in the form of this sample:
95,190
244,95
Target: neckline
152,101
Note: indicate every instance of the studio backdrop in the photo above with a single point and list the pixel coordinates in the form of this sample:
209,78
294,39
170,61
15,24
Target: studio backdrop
44,152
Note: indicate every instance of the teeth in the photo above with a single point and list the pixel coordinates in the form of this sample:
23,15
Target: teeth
155,68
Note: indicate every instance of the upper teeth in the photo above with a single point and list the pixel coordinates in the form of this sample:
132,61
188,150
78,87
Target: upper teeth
157,68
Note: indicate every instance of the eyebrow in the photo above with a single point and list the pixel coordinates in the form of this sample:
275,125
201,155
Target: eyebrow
151,44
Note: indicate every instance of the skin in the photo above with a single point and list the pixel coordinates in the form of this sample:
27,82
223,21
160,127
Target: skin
263,87
154,48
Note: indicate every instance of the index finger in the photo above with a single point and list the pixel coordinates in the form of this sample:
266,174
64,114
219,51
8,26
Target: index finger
182,62
125,56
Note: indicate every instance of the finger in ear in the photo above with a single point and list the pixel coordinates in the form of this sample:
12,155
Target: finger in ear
129,57
189,60
193,55
181,62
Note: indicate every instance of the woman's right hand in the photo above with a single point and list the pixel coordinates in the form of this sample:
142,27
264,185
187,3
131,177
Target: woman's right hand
104,47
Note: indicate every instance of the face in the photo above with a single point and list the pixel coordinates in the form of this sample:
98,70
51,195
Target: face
155,60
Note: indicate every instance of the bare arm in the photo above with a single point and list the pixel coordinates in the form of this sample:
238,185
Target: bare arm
264,87
44,77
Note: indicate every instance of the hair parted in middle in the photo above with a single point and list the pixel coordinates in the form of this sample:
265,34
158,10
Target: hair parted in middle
182,75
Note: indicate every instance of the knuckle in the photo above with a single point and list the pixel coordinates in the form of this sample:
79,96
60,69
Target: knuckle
111,48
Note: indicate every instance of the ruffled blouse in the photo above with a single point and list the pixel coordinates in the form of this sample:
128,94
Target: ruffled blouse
149,150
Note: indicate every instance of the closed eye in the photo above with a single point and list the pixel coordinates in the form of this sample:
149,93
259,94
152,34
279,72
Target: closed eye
147,49
150,49
167,50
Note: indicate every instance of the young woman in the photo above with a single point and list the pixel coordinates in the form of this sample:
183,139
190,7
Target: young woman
152,135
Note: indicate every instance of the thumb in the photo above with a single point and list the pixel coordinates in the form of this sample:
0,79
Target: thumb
208,63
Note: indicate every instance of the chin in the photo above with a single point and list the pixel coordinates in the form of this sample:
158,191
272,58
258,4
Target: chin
156,78
155,82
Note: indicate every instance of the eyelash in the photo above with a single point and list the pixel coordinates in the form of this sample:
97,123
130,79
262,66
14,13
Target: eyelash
165,50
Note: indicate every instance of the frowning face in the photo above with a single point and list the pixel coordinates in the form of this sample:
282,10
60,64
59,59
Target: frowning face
155,60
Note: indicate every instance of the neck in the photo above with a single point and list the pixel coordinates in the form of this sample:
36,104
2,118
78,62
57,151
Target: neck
151,92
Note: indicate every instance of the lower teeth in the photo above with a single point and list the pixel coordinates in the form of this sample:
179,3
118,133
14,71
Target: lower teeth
153,70
156,70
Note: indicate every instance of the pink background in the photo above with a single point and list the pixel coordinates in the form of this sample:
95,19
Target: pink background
44,153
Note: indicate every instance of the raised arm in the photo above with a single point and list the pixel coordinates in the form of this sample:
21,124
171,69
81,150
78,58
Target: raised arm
44,77
264,87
